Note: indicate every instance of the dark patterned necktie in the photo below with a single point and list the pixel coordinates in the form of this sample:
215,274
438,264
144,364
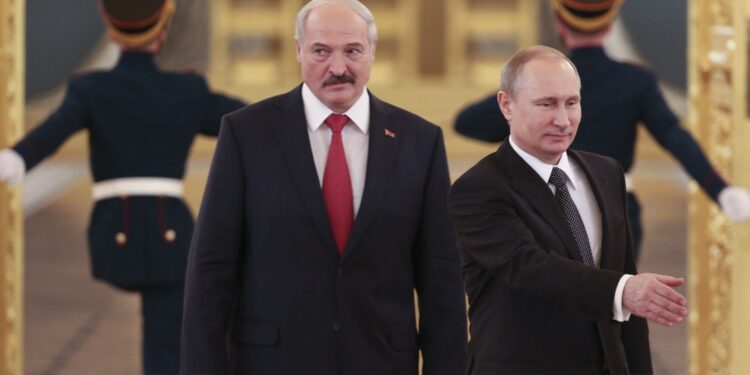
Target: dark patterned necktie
337,186
572,217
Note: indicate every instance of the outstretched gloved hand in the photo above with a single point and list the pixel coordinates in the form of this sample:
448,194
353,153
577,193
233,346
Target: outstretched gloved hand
12,167
735,203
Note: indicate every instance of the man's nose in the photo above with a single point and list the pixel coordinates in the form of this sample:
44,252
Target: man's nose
561,118
338,64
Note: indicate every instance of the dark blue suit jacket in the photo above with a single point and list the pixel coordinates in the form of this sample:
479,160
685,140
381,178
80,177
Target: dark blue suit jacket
266,291
535,308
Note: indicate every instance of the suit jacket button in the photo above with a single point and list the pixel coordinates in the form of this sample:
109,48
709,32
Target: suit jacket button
340,272
336,326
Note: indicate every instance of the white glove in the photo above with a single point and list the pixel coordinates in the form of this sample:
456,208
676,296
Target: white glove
735,203
12,167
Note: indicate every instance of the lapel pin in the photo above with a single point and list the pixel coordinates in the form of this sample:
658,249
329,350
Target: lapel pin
389,133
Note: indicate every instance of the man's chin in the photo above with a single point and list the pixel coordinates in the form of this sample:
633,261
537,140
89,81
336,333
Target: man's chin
557,148
338,103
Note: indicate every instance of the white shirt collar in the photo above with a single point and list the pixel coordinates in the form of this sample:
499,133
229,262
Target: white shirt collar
317,112
543,169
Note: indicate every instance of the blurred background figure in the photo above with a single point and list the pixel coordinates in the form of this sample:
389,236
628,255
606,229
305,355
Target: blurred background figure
616,97
141,123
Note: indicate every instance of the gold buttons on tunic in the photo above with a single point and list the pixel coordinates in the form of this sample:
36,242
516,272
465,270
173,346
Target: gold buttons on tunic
170,235
121,238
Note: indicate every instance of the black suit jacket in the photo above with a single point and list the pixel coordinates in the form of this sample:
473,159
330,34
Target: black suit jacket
535,308
264,272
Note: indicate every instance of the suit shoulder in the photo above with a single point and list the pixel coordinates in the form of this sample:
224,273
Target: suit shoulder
600,161
407,118
480,173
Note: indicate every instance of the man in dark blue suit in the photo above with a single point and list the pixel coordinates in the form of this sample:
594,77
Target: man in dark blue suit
141,123
549,271
325,210
617,98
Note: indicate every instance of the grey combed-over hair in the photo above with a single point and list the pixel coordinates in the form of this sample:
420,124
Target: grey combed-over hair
355,5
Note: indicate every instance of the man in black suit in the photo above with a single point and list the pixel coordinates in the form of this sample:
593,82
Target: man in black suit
543,229
325,209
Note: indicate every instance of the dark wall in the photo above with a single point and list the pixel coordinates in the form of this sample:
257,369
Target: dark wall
658,29
61,34
59,37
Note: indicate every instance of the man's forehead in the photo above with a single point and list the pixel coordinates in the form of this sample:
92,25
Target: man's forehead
335,19
546,82
337,35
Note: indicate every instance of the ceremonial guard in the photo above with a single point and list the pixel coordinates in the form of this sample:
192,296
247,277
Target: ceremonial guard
141,123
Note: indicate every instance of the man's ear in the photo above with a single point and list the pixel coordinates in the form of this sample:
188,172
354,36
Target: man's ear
299,50
503,101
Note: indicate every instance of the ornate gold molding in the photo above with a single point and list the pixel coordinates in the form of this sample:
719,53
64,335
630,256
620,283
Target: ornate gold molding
11,217
712,94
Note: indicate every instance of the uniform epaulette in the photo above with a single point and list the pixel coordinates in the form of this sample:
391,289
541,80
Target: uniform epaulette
635,64
76,75
81,74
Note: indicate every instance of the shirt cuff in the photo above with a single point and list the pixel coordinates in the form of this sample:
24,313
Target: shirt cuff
619,313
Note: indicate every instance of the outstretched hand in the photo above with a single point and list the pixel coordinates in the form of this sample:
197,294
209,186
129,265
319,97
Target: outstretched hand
652,296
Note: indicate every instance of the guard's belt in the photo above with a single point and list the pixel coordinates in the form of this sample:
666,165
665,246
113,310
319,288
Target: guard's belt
120,187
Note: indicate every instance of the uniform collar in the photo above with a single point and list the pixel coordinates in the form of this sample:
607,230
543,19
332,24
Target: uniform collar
136,59
587,51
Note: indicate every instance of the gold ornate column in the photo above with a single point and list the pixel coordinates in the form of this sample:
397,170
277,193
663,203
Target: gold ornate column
719,276
11,214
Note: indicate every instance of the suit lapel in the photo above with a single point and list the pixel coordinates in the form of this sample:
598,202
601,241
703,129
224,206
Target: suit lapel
599,185
380,160
527,183
295,146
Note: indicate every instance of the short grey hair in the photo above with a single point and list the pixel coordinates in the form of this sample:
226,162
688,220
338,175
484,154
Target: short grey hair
355,5
514,67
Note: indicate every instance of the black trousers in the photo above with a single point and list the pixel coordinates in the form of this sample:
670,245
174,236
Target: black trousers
636,228
161,307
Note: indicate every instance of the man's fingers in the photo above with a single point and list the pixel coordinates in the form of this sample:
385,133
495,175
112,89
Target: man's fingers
670,294
657,319
669,280
664,313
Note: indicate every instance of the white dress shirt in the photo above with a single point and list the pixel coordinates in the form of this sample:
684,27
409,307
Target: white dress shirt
585,201
355,137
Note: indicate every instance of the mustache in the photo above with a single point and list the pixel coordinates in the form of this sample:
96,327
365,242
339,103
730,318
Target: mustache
334,79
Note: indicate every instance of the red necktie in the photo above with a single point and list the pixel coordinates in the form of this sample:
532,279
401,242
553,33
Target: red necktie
337,186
